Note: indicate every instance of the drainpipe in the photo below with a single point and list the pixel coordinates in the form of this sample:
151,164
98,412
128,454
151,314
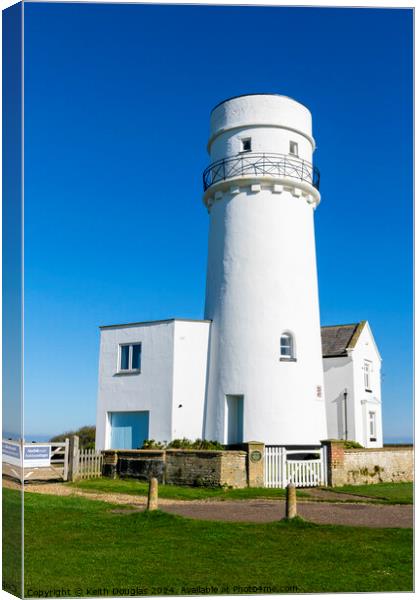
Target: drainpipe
345,414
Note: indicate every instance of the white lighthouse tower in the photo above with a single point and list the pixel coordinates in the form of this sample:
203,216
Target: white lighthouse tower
265,374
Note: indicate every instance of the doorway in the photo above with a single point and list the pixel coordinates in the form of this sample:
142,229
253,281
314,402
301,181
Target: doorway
129,429
234,419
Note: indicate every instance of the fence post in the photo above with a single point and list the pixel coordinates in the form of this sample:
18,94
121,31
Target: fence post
283,467
66,460
152,499
291,508
73,468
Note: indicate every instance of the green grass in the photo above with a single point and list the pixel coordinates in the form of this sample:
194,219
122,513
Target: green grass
175,492
77,544
388,493
12,541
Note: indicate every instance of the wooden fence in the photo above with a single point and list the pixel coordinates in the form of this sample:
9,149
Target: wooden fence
89,464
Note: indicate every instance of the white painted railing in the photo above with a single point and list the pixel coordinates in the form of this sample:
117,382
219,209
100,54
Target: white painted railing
280,469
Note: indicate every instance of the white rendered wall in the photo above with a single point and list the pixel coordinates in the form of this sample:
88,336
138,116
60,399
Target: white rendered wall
366,401
347,372
190,372
262,281
338,377
151,390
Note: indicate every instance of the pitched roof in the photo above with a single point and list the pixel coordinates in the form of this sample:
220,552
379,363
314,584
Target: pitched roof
337,339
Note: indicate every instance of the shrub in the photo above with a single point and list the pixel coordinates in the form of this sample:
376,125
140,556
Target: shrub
153,445
183,444
86,436
351,444
207,445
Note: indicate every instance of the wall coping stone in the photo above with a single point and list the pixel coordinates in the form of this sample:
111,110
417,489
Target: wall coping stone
138,452
157,452
204,452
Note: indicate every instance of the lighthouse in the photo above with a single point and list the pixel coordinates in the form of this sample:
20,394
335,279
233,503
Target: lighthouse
253,370
265,372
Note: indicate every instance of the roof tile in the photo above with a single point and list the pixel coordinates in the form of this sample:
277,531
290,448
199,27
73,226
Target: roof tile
336,338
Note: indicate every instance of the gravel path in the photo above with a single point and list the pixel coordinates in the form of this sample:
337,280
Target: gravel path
263,511
256,511
328,495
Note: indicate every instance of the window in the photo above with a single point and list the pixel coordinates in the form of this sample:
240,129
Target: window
246,145
286,347
130,357
372,426
293,148
367,372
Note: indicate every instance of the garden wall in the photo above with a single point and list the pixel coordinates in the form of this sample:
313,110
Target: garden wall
180,467
368,465
377,465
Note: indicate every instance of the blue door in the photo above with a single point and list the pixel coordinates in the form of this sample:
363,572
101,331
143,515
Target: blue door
129,429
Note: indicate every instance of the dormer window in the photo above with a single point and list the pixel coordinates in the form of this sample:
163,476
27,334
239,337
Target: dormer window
287,347
293,148
246,144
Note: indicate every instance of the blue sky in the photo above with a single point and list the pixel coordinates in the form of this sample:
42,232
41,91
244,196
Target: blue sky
117,103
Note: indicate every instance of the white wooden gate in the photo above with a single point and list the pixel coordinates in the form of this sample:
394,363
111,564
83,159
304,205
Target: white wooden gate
41,461
280,468
89,464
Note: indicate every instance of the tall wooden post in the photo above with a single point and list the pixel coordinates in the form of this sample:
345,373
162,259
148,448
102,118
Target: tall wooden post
73,468
66,460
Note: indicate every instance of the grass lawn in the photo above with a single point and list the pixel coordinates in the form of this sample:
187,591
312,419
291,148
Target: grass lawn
78,544
12,542
389,493
175,492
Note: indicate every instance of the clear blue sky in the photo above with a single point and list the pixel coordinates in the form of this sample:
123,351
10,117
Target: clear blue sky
116,122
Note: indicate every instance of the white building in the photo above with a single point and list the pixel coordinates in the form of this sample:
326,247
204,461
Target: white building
252,370
352,375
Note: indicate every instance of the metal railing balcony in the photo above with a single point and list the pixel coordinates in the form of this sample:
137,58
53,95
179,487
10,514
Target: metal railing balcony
274,165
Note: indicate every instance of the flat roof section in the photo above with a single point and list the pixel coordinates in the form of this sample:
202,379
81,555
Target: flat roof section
137,324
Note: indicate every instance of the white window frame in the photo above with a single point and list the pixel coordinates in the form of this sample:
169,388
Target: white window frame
372,425
130,357
293,148
367,375
291,345
243,140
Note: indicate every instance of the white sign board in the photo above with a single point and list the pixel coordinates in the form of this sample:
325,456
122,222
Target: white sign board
11,453
36,455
